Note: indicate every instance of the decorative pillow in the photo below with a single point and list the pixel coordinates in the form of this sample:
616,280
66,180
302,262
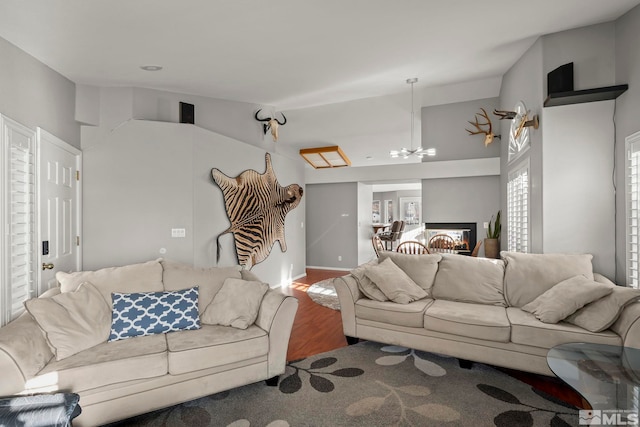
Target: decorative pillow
602,313
176,276
470,279
237,304
72,321
143,277
149,313
566,298
421,269
527,276
394,283
366,286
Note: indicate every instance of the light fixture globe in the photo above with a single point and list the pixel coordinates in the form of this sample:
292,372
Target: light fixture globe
405,153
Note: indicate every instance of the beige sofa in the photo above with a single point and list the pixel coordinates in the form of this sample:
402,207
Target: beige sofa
472,308
126,377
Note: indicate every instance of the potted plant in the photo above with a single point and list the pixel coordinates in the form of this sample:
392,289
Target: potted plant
492,241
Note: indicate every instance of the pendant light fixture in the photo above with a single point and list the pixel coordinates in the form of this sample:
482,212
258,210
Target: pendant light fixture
408,152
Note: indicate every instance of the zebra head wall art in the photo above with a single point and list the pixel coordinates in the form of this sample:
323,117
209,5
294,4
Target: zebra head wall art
256,206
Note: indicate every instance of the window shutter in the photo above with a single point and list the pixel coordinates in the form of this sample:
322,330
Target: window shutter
18,256
633,198
518,209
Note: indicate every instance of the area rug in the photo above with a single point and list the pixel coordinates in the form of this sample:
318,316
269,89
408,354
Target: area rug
371,384
324,293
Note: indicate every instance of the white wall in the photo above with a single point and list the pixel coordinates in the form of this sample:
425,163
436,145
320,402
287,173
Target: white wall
578,195
145,178
627,118
365,222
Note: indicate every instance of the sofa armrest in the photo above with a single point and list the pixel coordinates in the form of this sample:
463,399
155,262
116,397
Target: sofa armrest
348,294
628,325
24,351
276,316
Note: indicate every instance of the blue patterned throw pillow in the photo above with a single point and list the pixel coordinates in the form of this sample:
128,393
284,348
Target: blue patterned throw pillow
148,313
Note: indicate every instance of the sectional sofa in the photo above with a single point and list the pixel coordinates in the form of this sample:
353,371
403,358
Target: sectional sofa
104,335
507,312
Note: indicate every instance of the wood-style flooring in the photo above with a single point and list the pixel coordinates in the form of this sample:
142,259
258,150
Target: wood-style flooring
317,329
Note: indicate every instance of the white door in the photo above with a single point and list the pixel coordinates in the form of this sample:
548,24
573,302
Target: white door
59,208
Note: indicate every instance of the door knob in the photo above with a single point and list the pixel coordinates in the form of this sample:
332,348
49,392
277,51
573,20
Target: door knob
47,266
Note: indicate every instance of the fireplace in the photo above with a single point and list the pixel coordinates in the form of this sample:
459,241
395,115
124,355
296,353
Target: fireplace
463,234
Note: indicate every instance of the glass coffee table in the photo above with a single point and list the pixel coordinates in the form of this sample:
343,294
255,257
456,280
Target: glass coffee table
607,376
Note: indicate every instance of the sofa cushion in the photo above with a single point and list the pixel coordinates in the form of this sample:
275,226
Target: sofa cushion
566,298
72,321
480,321
214,345
527,330
421,269
602,313
366,285
144,277
394,283
411,314
176,276
149,313
469,279
528,276
105,364
236,304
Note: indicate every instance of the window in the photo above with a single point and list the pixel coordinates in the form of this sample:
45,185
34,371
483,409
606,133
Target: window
18,220
633,197
518,209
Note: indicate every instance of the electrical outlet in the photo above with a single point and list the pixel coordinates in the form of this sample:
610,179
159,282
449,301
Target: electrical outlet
178,232
486,225
339,257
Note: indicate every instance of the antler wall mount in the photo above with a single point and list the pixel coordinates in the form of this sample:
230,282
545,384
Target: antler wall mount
271,123
489,136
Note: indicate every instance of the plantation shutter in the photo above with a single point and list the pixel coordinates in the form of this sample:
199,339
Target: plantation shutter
633,198
518,209
18,255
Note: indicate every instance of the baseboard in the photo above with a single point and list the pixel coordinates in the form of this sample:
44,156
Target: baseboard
330,268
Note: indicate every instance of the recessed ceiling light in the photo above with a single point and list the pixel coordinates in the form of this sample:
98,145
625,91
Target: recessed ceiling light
151,67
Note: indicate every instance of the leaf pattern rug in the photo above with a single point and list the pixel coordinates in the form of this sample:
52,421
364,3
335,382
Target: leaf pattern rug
371,384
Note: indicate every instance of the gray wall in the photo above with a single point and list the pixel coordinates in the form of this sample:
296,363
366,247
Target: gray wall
627,119
524,82
443,128
35,95
461,200
145,178
332,225
570,154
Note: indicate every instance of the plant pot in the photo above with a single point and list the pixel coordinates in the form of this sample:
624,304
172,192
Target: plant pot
492,248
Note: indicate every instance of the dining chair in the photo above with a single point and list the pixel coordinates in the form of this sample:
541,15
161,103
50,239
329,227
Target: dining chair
378,247
412,247
393,235
442,243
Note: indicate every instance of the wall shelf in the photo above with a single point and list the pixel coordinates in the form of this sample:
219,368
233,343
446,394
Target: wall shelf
587,95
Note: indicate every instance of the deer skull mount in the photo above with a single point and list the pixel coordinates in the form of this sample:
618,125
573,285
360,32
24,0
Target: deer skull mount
487,131
523,120
271,124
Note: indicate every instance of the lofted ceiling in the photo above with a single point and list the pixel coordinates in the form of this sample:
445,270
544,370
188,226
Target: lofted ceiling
294,55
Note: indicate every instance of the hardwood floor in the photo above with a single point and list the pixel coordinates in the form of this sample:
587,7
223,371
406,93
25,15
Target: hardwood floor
317,329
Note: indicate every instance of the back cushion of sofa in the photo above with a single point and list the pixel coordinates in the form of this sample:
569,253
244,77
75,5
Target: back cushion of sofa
144,277
177,276
420,268
470,279
527,276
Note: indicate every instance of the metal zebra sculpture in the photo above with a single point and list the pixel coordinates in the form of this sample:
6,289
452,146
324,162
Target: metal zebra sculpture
256,206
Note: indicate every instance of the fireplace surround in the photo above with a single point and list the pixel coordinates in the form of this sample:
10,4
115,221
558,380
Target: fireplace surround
463,233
